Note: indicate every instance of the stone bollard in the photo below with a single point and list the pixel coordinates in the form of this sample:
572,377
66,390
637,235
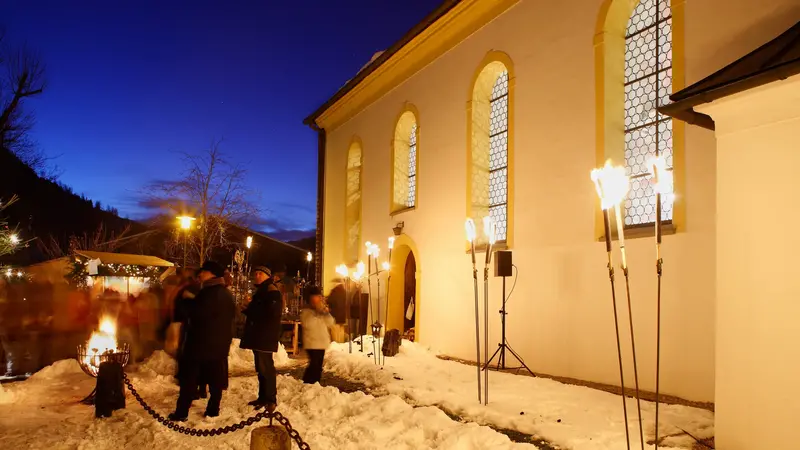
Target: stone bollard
270,438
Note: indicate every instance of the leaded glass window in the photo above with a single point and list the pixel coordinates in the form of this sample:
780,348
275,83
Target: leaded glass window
412,168
648,84
353,204
498,155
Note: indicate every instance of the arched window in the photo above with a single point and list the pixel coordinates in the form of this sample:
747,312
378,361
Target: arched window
404,161
490,121
639,62
648,84
353,203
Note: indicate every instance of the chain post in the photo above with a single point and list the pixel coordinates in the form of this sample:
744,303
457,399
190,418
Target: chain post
221,430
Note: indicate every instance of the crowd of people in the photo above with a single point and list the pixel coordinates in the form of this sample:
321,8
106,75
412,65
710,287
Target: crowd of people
192,316
204,327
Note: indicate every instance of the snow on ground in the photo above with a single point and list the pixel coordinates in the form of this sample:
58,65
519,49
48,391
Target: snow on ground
574,417
43,412
240,361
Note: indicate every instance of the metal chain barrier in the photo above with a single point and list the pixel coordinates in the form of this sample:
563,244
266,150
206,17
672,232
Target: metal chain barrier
221,430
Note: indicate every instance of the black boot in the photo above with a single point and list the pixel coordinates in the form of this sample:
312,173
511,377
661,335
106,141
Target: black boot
175,417
258,403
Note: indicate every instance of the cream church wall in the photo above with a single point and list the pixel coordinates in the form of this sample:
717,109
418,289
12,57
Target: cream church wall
560,317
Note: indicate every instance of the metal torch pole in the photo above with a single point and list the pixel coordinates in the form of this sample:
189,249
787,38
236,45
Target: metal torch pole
377,320
658,234
347,314
386,313
630,320
658,306
477,321
607,226
486,324
369,292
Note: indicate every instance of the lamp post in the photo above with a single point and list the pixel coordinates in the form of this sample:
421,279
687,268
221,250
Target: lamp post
309,258
249,244
186,225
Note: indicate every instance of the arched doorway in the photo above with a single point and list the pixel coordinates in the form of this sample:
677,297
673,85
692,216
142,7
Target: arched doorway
404,291
409,293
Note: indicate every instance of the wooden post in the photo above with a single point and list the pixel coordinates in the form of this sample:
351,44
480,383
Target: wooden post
270,438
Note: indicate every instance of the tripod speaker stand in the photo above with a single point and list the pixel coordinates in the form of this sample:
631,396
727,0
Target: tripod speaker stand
503,267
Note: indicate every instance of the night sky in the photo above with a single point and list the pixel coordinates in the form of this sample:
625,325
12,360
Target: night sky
131,83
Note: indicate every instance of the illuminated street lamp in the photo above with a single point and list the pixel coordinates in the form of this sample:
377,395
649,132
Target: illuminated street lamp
249,244
309,258
186,226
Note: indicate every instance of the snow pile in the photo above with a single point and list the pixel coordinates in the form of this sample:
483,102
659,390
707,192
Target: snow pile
160,363
240,361
57,370
5,397
574,417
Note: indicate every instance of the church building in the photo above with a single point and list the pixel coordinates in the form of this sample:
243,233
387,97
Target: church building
502,108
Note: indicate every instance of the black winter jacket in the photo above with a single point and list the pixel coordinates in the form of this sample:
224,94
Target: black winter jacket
209,329
262,329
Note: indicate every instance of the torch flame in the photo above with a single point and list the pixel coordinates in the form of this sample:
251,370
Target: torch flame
101,342
391,242
342,271
611,183
662,178
385,265
469,226
360,268
489,229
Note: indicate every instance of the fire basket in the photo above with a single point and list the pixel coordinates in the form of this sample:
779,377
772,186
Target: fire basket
91,358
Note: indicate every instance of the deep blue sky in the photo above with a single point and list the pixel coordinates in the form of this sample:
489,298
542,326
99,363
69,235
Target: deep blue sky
130,83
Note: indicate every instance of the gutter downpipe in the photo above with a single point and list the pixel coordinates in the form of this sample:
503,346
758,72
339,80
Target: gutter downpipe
318,250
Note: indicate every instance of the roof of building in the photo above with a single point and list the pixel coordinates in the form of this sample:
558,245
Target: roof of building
125,258
776,60
384,56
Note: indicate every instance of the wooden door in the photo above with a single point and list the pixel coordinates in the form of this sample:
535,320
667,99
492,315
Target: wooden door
409,292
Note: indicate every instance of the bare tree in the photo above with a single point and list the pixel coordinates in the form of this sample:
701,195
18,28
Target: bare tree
10,240
21,77
212,190
102,240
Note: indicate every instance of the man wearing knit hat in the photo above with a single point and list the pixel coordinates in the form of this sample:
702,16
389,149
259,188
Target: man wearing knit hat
262,330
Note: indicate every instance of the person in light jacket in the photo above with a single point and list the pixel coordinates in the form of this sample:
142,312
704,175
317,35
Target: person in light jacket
317,321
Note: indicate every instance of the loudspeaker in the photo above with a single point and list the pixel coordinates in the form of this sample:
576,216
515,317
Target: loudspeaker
502,263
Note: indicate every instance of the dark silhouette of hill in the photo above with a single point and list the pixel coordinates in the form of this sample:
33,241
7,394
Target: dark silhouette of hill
46,208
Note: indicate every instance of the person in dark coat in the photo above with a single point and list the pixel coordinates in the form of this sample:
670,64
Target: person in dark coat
184,302
209,332
262,330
